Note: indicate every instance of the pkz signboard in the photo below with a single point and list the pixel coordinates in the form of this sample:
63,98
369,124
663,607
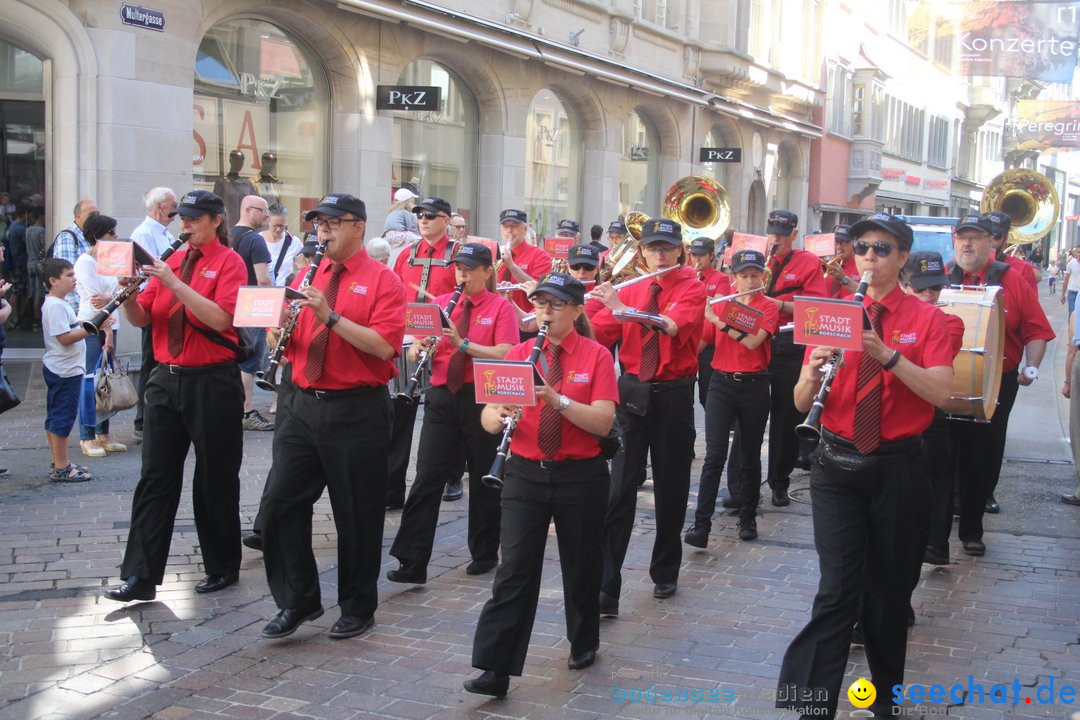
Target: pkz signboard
140,16
721,155
408,97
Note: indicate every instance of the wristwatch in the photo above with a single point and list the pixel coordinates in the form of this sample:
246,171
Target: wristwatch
564,403
332,320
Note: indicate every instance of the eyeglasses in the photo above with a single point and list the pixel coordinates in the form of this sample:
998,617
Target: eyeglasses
458,227
542,302
332,223
430,215
662,247
881,249
277,226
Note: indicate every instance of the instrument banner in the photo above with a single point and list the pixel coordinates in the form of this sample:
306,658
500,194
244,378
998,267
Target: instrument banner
259,307
828,322
741,317
558,247
488,243
505,382
116,258
424,318
743,241
823,245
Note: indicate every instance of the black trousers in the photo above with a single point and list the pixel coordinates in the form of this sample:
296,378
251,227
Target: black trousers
939,454
203,410
704,372
867,524
149,362
451,422
574,496
977,451
784,369
339,444
401,435
666,432
732,403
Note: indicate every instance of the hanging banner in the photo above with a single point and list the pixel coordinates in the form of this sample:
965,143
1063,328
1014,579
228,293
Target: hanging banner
1044,124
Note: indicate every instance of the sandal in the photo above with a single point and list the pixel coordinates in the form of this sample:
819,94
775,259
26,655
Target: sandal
71,474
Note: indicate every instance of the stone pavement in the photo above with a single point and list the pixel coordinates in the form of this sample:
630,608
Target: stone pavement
1012,615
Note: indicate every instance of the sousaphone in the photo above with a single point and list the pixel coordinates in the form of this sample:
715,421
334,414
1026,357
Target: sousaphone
1029,198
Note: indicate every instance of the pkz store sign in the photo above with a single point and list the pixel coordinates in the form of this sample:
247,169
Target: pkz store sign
140,16
722,155
408,97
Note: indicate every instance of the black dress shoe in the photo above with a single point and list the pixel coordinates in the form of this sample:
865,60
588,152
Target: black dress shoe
933,556
992,506
479,567
489,684
394,503
802,462
697,536
285,622
252,540
213,583
748,529
974,547
411,573
664,590
349,626
132,589
582,661
453,490
780,498
731,503
609,606
857,637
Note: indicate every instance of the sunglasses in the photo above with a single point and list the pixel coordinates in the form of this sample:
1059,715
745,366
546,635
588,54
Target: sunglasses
881,249
582,266
429,215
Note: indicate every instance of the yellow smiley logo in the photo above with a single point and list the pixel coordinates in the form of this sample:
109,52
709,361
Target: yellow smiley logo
862,693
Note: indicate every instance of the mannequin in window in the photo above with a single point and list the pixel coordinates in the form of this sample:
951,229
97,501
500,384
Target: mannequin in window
267,182
233,188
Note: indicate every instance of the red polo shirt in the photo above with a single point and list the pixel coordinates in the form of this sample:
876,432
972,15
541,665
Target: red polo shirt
682,298
1020,265
835,289
218,275
731,355
492,321
587,375
1024,317
922,335
440,279
715,282
801,275
369,294
534,261
593,306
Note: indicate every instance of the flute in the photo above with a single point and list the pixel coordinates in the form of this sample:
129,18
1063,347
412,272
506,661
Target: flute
640,278
409,394
725,298
93,325
494,477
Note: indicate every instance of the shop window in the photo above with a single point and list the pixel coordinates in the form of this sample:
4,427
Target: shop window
22,125
260,118
552,162
639,170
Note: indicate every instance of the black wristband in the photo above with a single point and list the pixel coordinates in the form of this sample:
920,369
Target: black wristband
892,361
332,320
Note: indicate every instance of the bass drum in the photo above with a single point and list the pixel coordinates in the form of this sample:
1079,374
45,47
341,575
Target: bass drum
977,367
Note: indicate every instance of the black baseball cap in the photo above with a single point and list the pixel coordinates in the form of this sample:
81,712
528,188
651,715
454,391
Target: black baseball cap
842,233
473,255
661,230
583,255
974,222
433,204
562,286
511,215
890,224
570,226
198,203
999,221
925,269
308,249
747,258
702,246
782,222
617,226
338,204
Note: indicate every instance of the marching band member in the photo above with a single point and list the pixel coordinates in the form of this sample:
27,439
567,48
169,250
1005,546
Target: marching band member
843,277
869,488
703,255
333,415
484,326
1000,223
978,448
738,393
193,398
656,411
521,262
426,265
584,264
558,472
616,233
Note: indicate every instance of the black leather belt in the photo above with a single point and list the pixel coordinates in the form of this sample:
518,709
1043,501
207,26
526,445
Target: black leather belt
665,385
742,376
340,394
196,369
894,447
551,465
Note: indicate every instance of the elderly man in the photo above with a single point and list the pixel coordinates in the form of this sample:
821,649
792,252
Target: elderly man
1000,224
249,243
69,243
978,448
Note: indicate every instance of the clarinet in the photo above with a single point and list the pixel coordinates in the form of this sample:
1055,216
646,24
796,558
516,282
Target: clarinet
494,477
410,395
268,380
810,428
93,325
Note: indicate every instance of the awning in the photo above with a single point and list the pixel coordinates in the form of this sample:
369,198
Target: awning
470,28
826,207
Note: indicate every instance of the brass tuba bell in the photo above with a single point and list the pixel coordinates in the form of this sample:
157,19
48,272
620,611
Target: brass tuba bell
1026,196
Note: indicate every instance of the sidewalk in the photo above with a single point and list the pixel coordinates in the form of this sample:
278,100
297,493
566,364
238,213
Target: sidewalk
1011,615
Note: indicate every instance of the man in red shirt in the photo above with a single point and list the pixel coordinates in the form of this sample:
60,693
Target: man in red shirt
978,448
843,276
520,262
656,410
869,491
1000,224
331,429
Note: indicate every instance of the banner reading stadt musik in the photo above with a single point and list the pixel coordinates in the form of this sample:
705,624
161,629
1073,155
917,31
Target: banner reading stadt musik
1032,39
1047,123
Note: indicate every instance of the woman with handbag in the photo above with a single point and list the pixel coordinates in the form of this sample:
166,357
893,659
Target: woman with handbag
94,292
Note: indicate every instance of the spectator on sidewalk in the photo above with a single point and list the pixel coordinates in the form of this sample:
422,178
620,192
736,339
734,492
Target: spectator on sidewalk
62,366
70,242
16,245
35,247
246,240
1071,284
283,246
1072,376
5,312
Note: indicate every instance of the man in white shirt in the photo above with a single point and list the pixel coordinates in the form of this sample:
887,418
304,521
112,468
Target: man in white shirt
154,237
1072,279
